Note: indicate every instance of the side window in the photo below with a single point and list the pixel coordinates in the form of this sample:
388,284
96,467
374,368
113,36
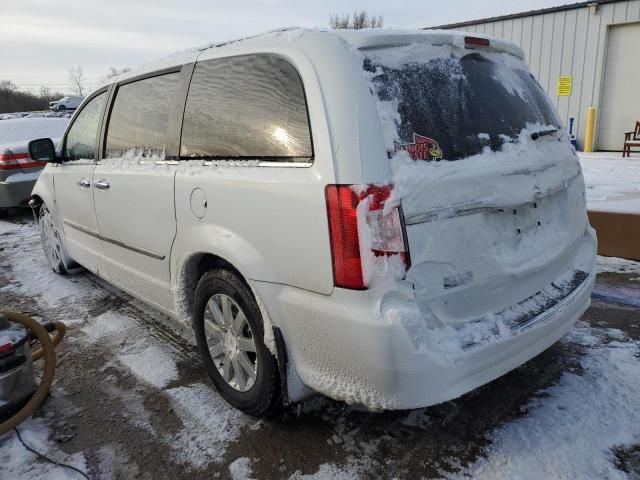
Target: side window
251,107
81,139
140,116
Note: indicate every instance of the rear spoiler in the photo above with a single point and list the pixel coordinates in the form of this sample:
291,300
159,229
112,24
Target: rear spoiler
432,37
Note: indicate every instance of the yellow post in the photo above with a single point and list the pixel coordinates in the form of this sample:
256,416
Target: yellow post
591,125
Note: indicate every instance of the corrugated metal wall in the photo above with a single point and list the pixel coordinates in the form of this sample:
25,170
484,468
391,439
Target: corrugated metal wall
570,42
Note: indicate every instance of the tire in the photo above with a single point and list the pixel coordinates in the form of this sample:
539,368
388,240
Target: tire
61,108
52,242
232,328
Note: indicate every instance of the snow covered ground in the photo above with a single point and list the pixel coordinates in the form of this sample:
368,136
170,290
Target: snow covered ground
612,182
131,400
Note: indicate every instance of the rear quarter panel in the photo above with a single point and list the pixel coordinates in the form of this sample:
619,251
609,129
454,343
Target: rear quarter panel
269,222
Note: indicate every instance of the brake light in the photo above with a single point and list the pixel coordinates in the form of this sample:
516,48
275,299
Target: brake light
476,41
385,236
10,161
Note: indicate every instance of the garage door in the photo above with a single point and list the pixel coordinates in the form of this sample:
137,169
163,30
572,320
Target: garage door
620,106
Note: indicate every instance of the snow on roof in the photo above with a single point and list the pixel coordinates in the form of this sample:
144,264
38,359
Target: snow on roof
364,39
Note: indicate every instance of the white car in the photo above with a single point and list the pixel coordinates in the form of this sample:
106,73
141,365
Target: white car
389,218
66,103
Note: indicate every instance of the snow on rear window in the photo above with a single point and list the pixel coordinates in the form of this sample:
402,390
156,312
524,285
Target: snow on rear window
454,105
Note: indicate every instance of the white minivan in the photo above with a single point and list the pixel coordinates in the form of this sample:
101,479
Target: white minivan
389,218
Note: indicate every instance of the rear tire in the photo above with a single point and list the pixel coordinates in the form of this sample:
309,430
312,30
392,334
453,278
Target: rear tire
228,325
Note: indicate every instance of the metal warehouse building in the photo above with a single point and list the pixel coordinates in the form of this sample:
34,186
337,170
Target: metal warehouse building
584,55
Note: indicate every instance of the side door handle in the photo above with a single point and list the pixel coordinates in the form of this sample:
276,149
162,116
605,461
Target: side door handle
84,183
102,184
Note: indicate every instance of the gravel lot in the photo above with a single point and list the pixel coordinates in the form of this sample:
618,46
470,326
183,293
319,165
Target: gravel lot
132,401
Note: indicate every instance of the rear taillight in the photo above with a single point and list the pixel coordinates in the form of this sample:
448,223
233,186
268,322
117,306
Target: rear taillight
10,161
476,42
352,208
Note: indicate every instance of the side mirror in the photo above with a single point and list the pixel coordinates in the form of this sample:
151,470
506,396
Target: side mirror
43,149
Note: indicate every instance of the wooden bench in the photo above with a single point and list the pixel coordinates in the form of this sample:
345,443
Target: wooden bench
631,139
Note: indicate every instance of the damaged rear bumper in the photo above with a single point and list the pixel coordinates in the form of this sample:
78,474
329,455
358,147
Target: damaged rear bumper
355,347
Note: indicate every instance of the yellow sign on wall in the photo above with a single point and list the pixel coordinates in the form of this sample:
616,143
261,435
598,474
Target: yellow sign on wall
564,86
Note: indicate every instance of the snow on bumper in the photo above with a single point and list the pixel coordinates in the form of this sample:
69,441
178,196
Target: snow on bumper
352,346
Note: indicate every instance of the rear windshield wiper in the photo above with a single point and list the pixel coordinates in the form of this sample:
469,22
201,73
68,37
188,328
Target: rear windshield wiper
543,133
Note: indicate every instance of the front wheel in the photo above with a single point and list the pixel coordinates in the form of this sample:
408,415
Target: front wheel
230,337
61,108
51,240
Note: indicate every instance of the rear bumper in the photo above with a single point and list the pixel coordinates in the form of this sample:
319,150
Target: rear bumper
15,190
383,354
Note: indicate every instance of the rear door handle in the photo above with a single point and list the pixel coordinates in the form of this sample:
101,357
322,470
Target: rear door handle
102,184
84,183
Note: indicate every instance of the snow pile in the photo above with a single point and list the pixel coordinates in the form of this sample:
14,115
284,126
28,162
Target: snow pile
482,172
330,471
17,462
570,431
154,365
240,469
210,424
105,325
618,265
20,131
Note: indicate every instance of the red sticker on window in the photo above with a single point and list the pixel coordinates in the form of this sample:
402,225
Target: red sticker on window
422,148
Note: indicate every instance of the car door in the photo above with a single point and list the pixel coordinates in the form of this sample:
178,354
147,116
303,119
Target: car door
134,183
72,183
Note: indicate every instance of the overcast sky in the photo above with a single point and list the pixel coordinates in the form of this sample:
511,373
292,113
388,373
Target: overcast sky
41,39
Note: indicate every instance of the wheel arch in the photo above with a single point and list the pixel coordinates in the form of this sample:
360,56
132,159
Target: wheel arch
189,272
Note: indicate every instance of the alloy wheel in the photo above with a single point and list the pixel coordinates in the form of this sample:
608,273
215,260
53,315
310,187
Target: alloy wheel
230,342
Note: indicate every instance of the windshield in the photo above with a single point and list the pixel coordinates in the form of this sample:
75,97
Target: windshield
454,107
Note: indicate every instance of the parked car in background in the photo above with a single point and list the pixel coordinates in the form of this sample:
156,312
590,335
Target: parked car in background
18,172
388,218
66,103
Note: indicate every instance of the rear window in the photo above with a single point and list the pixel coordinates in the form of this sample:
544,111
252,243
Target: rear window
246,107
455,107
140,116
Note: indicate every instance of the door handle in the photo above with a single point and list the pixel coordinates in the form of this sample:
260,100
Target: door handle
102,184
84,183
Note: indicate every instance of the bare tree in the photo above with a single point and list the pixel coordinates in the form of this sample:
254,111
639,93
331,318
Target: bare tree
45,92
12,99
359,21
77,80
8,85
113,73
